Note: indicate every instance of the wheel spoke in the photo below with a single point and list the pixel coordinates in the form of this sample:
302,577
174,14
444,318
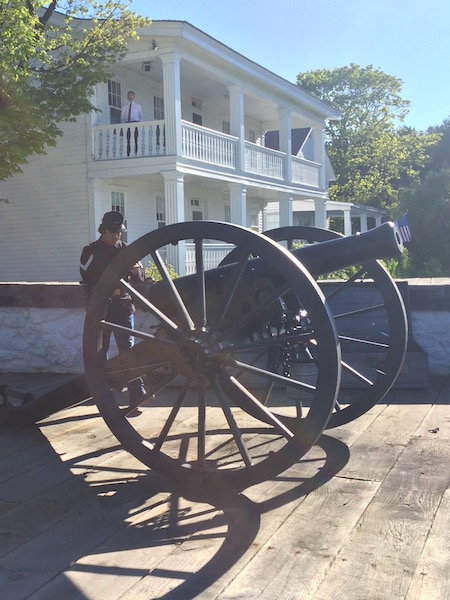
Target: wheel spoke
231,289
154,389
345,284
232,423
254,407
267,343
151,308
275,377
137,333
359,311
176,298
201,432
356,374
172,416
201,320
345,338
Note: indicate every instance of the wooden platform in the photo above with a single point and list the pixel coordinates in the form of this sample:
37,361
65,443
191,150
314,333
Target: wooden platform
365,515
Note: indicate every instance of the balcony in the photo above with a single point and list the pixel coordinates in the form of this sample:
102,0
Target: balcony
148,139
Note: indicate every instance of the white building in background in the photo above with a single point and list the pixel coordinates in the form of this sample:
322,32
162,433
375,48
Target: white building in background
216,143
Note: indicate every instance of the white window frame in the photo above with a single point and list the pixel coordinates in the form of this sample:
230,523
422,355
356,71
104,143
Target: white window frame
160,208
114,100
158,108
118,202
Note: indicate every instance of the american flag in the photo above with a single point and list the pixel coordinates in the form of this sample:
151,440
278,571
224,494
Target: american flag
403,227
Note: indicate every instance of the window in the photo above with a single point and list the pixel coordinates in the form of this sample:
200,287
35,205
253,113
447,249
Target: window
252,136
196,119
114,101
196,103
160,211
118,203
196,209
255,218
226,127
158,108
227,213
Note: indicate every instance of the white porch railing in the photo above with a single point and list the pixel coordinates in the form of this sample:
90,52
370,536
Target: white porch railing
305,171
129,140
207,145
213,254
147,139
264,161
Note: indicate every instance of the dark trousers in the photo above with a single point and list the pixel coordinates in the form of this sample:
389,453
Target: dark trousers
121,316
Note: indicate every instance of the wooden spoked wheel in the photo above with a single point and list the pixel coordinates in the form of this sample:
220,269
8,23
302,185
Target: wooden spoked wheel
204,347
372,328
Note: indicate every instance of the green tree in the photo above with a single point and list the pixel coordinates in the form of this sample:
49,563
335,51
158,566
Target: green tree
428,208
49,64
440,154
373,156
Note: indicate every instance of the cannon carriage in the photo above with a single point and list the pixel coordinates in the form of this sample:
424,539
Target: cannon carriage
252,344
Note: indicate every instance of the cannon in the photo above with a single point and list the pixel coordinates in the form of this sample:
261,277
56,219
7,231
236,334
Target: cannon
252,343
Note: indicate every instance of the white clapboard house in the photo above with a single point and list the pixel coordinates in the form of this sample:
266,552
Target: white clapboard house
221,138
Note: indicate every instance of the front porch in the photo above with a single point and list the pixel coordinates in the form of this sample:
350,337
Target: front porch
207,146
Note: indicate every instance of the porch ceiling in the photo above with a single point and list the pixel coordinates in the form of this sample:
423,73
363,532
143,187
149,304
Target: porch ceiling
200,83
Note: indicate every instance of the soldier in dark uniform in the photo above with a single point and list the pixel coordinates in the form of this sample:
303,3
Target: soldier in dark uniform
94,260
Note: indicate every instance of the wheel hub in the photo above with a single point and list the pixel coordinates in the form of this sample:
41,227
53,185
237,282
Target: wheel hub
197,356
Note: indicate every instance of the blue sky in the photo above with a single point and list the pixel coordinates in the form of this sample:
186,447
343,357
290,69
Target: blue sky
409,39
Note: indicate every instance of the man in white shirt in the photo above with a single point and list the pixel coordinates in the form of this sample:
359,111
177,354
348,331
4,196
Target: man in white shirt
131,112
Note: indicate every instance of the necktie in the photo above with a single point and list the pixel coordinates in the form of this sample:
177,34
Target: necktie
129,112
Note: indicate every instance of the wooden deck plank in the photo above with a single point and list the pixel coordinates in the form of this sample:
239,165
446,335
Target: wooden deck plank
431,577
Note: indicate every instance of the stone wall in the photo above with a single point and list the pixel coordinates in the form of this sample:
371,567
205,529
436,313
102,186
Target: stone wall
41,325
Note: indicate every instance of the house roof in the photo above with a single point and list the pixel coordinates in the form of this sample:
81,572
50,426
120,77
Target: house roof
192,35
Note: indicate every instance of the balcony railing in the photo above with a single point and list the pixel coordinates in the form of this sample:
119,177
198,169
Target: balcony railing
213,254
264,161
129,140
148,138
305,172
207,145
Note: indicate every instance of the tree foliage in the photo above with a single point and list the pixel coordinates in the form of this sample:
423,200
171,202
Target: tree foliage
428,208
373,156
52,54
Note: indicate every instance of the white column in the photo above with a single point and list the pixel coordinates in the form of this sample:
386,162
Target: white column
319,153
238,203
320,213
285,204
96,211
237,122
347,222
172,103
285,125
174,201
363,223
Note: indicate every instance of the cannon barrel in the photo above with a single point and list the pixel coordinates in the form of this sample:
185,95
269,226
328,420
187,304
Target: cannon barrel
382,242
260,280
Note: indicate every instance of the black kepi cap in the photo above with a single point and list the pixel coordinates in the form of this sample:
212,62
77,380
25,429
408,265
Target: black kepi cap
113,221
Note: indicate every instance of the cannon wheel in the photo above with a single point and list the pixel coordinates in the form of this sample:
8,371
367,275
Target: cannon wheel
389,345
190,353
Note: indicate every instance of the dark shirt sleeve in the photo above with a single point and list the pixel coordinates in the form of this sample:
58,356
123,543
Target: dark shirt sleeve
87,267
